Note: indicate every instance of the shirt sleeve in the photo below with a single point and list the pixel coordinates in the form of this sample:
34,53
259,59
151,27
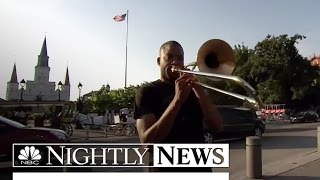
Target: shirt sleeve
144,103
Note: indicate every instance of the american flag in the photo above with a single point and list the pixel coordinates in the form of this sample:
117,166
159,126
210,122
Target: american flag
120,18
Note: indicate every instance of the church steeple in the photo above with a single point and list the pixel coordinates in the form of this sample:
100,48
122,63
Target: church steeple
67,82
42,70
43,57
14,75
44,47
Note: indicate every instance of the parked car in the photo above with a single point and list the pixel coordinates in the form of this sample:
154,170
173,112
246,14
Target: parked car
238,123
14,132
305,116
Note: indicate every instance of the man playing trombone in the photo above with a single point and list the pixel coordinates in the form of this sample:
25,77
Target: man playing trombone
171,109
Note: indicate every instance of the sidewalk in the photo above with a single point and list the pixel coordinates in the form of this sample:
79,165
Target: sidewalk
304,166
309,171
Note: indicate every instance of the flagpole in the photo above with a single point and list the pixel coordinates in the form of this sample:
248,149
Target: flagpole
125,78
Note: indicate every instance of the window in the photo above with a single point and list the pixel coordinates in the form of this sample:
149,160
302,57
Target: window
236,116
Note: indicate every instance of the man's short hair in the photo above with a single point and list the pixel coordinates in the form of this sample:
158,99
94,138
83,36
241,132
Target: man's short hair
171,43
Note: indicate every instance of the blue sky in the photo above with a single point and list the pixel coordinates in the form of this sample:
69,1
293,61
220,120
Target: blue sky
82,34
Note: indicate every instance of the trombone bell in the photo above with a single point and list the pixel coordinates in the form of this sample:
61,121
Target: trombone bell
216,56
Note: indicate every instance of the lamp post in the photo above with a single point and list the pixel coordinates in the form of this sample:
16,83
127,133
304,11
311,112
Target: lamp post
79,107
22,84
79,87
108,99
108,88
59,88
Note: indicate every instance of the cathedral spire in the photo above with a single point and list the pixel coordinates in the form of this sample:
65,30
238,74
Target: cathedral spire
43,57
67,82
14,75
44,47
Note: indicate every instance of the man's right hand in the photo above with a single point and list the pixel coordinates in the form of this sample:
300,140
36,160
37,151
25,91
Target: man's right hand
183,86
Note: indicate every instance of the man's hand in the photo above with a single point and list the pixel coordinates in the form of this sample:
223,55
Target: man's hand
183,87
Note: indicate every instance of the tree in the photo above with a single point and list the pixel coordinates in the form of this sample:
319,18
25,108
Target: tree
102,99
278,72
243,62
274,68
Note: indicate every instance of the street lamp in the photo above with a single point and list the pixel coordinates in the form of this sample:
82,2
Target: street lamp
22,84
79,87
108,88
59,88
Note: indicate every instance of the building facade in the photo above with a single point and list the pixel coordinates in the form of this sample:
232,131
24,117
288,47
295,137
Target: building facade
40,89
315,61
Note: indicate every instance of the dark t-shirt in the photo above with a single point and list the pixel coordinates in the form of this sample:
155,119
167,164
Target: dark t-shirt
154,98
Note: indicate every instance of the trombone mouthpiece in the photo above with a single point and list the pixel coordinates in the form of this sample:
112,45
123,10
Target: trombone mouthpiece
173,69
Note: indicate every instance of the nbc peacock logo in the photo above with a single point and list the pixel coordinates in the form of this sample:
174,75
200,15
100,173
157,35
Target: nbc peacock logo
29,156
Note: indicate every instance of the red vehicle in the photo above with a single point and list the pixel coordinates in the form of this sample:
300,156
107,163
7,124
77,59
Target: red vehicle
14,132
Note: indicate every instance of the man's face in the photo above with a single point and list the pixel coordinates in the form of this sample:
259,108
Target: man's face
171,56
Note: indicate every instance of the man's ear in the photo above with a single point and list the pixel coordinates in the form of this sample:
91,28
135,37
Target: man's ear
158,61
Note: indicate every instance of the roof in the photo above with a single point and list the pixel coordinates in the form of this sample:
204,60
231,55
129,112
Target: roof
43,57
44,47
14,78
67,81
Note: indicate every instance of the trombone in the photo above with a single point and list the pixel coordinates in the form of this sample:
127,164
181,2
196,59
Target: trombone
216,60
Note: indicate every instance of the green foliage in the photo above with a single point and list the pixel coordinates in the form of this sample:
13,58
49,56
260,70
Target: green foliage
275,69
113,100
279,68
